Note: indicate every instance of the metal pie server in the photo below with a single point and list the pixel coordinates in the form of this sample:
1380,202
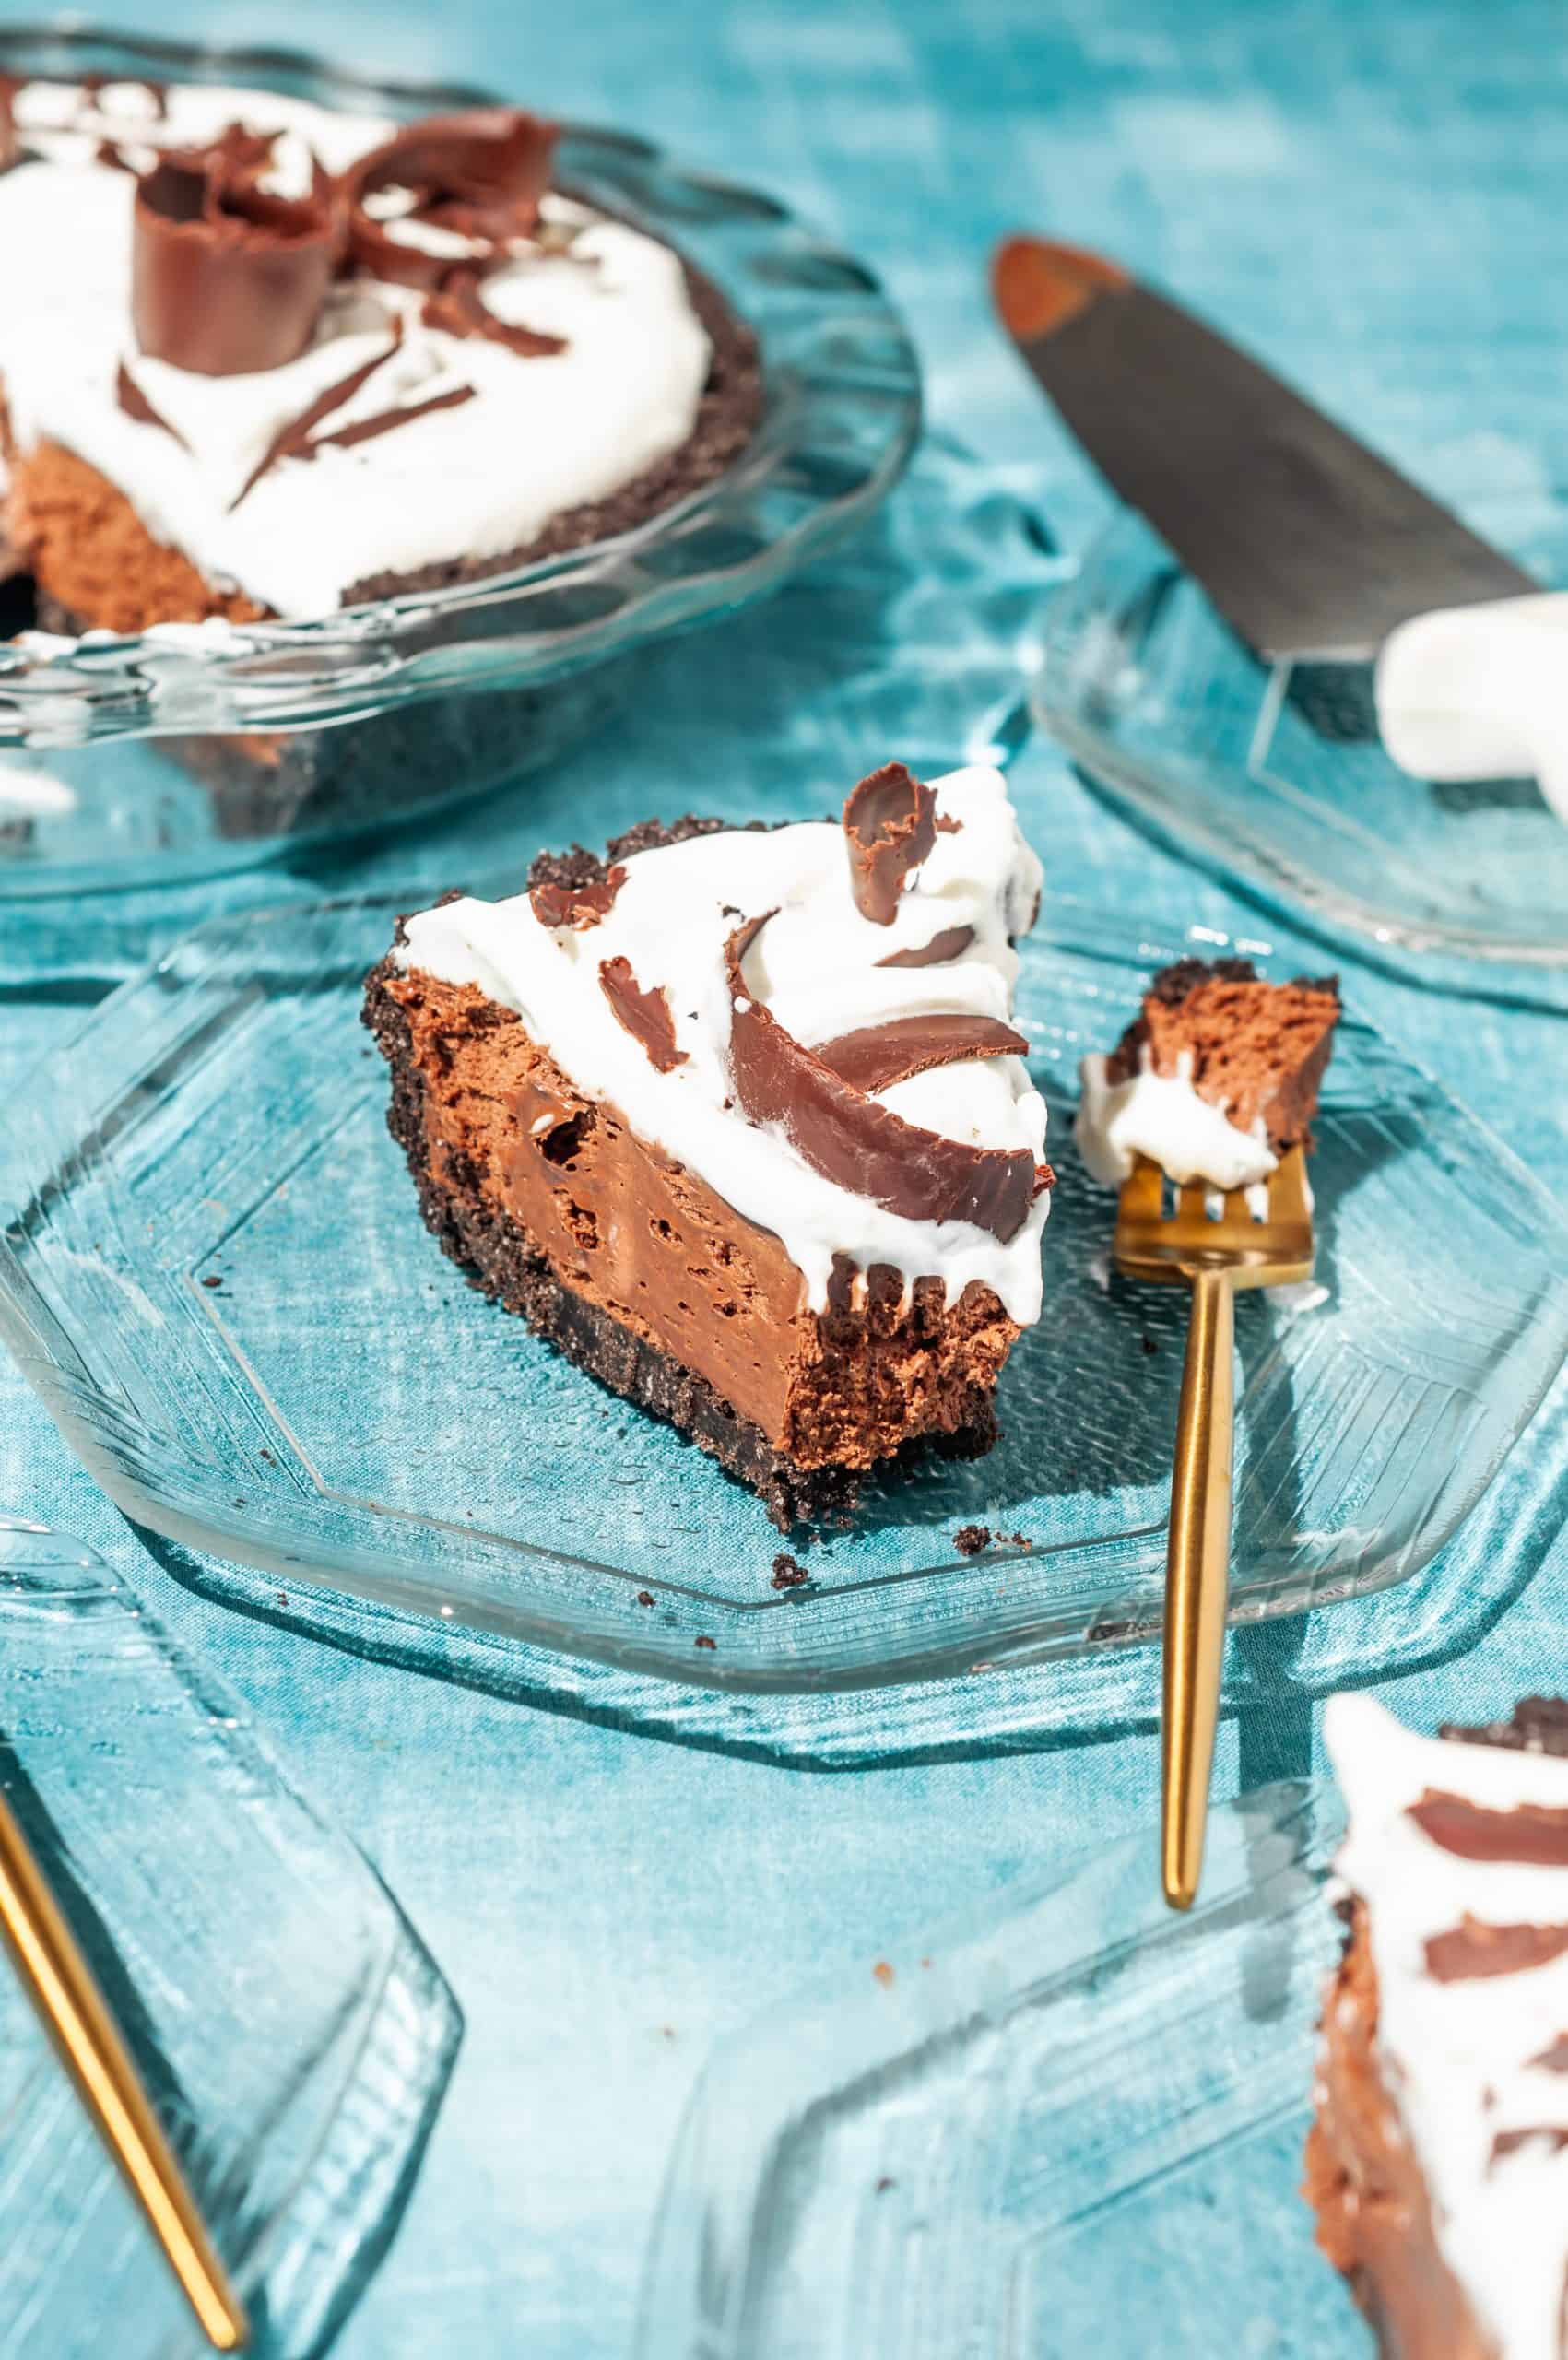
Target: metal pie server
1315,550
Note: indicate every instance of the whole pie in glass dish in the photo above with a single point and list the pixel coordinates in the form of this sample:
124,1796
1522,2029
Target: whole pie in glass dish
348,428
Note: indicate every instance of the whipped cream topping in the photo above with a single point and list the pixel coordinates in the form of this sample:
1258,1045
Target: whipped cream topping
542,435
1464,2059
816,966
1161,1116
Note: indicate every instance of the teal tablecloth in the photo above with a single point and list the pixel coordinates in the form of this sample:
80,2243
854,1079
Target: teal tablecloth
1373,196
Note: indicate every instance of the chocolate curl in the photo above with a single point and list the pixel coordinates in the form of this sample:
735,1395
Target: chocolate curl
457,308
226,277
890,824
877,1055
645,1015
578,907
1532,1835
479,175
849,1138
1472,1950
951,943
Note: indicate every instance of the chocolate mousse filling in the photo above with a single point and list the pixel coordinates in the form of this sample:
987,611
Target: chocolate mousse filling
631,1265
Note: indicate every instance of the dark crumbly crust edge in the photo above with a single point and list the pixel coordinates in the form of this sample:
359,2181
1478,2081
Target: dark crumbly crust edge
727,417
503,1261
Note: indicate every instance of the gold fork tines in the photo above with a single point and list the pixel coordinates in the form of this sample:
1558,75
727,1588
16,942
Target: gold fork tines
1214,1256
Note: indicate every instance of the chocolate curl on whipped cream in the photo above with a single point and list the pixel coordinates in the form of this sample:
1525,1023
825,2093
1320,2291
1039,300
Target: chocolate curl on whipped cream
842,1132
227,276
478,176
458,308
889,825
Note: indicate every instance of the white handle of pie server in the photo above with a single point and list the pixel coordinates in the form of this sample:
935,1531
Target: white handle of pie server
1481,692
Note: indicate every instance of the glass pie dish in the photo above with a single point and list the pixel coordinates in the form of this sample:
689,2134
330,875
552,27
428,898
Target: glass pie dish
213,1269
192,750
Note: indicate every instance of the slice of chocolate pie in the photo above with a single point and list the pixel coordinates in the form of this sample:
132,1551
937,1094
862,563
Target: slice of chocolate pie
738,1119
1438,2161
1216,1076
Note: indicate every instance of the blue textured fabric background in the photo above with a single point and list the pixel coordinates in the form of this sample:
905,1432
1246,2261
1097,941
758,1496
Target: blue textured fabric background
1372,196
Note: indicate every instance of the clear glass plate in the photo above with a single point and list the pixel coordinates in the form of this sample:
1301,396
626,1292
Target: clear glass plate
147,759
213,1269
1079,2109
1166,710
290,2027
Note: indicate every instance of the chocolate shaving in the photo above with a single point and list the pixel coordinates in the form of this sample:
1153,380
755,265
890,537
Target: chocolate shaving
877,1055
849,1138
135,404
578,907
1539,1725
365,430
457,308
479,175
890,824
1508,2143
644,1014
947,825
1472,1950
10,145
1555,2058
1530,1834
293,440
226,276
950,944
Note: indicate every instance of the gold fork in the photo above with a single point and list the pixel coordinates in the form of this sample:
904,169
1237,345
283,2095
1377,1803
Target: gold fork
1214,1258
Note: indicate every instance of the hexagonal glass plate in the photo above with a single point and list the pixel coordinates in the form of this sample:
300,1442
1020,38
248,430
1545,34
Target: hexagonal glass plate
1063,2113
288,2023
1275,776
213,1267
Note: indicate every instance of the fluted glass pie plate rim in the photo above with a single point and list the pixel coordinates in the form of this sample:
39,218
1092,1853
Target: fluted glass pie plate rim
95,1318
894,2161
842,408
97,1686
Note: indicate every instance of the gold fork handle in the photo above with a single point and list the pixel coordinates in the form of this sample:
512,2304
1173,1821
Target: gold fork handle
73,2011
1197,1581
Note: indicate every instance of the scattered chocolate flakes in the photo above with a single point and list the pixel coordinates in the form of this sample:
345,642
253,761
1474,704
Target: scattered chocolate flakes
458,308
1472,1950
950,944
644,1598
213,1281
479,175
971,1539
889,825
1150,1347
645,1015
705,1641
850,1140
877,1055
789,1573
884,1973
228,277
1531,1835
1508,2143
947,825
884,2183
558,903
1555,2058
137,407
